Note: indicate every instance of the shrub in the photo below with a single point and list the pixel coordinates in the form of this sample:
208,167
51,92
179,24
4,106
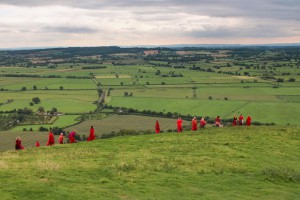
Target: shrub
43,129
280,80
292,80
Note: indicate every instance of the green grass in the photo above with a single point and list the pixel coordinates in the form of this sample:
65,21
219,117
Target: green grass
214,163
279,105
279,112
62,105
50,83
65,101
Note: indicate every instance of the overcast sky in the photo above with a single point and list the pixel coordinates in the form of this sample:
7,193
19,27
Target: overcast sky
40,23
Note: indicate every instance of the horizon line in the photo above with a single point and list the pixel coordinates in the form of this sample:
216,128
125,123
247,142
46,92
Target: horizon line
153,46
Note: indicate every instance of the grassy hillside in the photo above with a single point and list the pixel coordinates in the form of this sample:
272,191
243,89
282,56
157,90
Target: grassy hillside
214,163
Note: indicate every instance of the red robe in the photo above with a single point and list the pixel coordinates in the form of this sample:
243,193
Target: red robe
71,137
50,139
92,134
37,144
179,125
157,128
234,121
241,120
248,121
202,123
72,140
18,145
61,139
217,121
194,124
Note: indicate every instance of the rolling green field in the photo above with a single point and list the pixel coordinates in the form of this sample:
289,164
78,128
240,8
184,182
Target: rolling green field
277,112
198,82
218,163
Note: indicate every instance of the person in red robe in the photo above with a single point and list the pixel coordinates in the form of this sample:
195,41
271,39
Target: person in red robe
157,127
194,124
179,125
71,136
61,139
37,144
202,123
248,120
241,120
18,145
50,141
92,134
218,121
234,120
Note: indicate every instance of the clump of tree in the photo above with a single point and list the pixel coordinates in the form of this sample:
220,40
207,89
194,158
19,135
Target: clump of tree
128,94
36,100
280,80
292,80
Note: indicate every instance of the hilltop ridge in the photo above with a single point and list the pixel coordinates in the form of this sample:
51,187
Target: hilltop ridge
213,163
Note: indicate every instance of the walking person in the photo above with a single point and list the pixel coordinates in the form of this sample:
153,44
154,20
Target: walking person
18,145
157,127
179,125
241,120
92,134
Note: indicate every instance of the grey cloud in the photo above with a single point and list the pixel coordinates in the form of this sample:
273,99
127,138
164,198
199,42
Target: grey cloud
284,9
69,29
242,32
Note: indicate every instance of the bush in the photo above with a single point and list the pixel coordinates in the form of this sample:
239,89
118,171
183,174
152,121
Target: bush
43,129
292,80
280,80
24,129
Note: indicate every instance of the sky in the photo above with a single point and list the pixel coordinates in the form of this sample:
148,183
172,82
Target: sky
65,23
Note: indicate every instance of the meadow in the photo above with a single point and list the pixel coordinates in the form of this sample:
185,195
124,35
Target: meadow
216,163
198,82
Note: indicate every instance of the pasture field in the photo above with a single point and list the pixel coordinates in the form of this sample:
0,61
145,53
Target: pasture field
229,163
204,92
50,83
64,100
224,82
281,113
65,105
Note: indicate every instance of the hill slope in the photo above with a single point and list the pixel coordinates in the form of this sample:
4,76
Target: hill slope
215,163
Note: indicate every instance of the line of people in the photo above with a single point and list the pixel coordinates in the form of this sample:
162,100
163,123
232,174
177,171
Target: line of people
51,139
71,136
218,123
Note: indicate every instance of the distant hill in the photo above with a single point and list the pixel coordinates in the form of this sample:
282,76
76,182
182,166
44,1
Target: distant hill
164,46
